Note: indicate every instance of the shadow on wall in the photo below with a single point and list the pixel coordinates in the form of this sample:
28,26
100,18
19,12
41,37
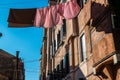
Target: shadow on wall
101,17
79,73
113,72
106,72
64,74
75,74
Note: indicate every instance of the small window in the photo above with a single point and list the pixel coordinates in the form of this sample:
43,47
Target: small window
64,27
82,79
83,48
63,1
80,2
57,68
115,21
61,65
90,37
53,48
66,63
58,39
85,1
54,45
51,52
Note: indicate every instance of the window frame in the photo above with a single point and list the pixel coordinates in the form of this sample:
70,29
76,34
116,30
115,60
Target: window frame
80,3
64,28
66,62
63,1
83,55
113,21
85,1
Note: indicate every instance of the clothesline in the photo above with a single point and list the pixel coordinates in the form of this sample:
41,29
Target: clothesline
48,16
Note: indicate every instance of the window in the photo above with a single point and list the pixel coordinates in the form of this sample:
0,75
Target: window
53,48
57,68
55,74
66,63
115,16
90,37
82,79
80,2
63,1
83,47
51,52
85,1
58,39
64,28
54,45
115,21
61,65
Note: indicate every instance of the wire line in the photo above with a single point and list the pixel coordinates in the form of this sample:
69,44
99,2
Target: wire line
30,61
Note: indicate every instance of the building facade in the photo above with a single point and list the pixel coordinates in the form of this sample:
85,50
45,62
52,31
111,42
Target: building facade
86,47
11,67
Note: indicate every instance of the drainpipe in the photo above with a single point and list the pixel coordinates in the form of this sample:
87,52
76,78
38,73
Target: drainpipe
0,34
72,54
17,56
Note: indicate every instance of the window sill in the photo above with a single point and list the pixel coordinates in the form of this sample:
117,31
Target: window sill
83,62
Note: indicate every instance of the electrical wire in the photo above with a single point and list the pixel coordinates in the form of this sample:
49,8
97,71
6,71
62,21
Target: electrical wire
33,67
35,71
32,71
31,61
28,66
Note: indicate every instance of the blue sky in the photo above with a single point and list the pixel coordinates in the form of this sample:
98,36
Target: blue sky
26,40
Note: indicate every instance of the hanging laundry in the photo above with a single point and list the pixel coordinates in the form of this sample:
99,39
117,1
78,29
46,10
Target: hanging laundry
47,17
21,17
57,18
40,17
61,9
71,9
48,20
18,25
56,13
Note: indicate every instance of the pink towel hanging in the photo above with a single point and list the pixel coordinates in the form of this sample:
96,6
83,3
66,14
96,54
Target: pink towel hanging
53,15
48,20
71,9
40,17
